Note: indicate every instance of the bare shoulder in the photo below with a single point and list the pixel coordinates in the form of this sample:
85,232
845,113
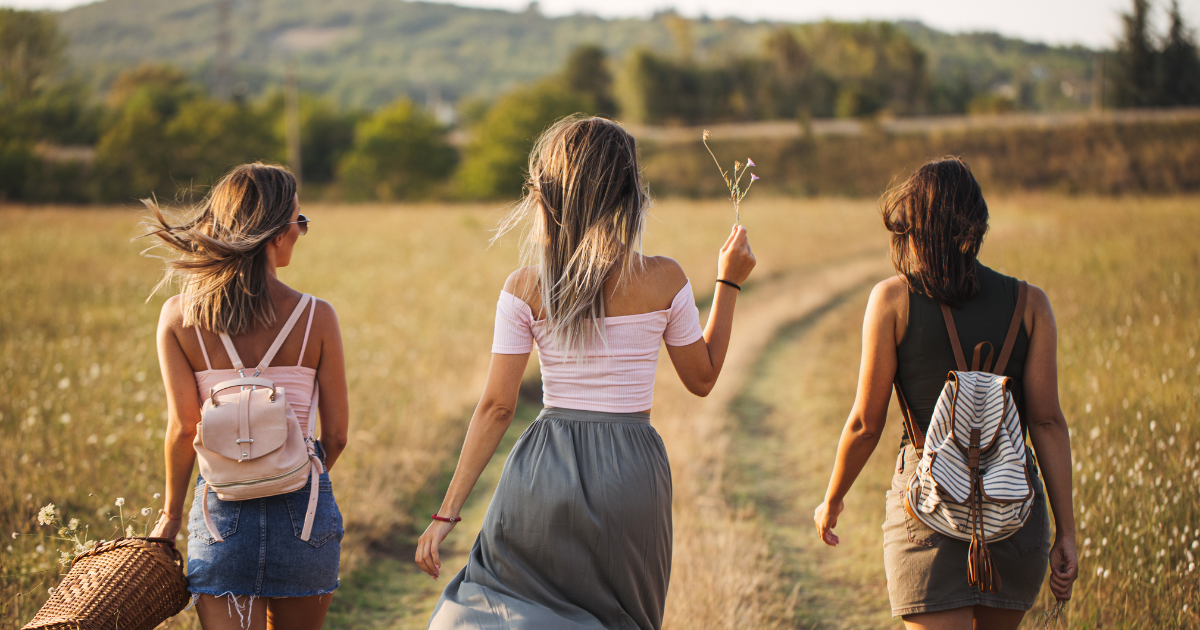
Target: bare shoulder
324,317
1037,311
522,283
891,294
663,273
171,315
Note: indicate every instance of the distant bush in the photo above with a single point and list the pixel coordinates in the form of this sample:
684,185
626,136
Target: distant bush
498,154
1096,158
399,153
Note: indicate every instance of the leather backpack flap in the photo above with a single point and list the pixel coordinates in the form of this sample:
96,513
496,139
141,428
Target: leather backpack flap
250,414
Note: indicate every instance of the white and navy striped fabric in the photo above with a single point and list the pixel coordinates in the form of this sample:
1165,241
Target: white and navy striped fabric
939,492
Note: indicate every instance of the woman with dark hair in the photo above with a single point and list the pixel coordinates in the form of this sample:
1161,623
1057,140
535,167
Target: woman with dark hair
938,219
252,563
578,533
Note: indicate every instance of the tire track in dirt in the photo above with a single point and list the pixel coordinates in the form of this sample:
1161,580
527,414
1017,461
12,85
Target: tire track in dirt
726,572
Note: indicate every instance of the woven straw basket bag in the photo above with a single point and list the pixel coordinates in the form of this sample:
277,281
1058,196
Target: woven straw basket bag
127,583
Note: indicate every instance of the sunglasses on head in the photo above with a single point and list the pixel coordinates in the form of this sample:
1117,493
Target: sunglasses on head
302,221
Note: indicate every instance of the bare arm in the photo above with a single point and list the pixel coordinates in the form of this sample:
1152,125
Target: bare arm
1051,440
489,422
183,414
867,418
699,364
334,403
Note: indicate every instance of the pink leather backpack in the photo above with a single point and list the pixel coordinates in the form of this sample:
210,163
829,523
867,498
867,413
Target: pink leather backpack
249,441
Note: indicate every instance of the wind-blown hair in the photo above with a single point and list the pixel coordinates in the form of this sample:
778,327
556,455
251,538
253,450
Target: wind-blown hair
219,253
938,218
587,206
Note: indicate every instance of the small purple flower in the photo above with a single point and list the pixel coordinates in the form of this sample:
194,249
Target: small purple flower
750,162
754,177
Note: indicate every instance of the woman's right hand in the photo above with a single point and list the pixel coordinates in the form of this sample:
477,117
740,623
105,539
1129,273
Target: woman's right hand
736,260
427,547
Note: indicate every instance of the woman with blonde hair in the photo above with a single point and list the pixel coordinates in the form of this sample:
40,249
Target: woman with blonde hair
228,317
578,534
938,219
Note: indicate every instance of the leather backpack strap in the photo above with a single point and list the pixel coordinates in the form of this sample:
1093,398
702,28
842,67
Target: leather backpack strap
232,352
283,334
316,466
1013,327
914,434
959,357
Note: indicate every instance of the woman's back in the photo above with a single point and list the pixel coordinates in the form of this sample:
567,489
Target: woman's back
925,356
616,374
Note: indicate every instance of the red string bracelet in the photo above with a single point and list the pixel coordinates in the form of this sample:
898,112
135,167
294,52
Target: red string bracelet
445,519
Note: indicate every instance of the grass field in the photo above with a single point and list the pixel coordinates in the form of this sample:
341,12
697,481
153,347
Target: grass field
81,404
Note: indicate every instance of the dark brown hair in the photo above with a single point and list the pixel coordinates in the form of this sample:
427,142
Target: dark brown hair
937,219
221,259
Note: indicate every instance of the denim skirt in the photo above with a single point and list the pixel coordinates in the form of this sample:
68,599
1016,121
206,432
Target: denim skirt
927,571
262,555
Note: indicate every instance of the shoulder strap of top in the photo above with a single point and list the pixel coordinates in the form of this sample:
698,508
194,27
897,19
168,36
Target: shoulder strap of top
959,358
1013,327
203,348
307,330
283,334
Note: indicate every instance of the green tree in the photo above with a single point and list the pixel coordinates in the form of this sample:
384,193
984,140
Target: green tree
1135,76
166,133
31,49
399,153
326,134
586,74
498,154
1180,63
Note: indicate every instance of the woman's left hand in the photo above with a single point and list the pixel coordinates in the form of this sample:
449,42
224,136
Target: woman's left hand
826,517
427,547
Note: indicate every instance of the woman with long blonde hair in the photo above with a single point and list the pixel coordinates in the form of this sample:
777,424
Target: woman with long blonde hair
578,534
254,568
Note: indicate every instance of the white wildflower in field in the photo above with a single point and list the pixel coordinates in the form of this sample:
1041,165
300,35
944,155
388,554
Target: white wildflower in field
157,495
73,524
120,501
129,531
40,548
46,515
145,511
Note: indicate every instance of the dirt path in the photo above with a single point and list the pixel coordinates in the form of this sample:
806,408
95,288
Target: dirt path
712,584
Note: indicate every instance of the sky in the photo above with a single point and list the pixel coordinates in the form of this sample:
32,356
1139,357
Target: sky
1093,23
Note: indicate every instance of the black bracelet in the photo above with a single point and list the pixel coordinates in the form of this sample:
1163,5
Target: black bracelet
729,283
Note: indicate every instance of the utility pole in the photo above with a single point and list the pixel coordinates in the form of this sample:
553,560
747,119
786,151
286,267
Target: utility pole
1098,82
292,118
224,86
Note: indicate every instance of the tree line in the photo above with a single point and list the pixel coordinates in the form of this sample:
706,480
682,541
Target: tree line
157,131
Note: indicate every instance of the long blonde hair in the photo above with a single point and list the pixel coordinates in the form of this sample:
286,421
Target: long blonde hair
219,253
587,205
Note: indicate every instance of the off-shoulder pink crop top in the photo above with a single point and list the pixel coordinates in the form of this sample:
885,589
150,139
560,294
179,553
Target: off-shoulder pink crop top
614,377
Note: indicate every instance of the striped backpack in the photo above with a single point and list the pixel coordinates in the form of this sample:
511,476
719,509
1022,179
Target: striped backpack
971,482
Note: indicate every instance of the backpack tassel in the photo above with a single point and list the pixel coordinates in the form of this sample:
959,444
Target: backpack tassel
981,572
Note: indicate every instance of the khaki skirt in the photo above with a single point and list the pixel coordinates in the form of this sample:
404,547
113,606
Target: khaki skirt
927,571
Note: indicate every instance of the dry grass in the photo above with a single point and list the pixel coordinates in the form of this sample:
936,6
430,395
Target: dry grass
81,406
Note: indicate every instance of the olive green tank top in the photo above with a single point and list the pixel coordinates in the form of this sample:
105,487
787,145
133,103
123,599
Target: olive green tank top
925,355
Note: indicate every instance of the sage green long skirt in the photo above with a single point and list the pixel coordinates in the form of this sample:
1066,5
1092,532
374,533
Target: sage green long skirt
578,534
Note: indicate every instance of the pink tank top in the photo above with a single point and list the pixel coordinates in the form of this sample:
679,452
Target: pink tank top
297,381
617,377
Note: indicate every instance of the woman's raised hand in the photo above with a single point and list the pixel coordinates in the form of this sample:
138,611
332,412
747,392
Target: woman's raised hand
736,260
